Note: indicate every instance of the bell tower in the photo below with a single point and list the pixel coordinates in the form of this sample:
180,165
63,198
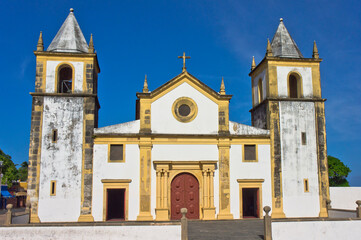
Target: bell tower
64,114
286,97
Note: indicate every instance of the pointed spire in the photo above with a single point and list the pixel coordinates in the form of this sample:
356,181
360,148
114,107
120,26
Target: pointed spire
69,37
315,51
269,52
253,64
223,88
40,46
145,86
283,45
91,44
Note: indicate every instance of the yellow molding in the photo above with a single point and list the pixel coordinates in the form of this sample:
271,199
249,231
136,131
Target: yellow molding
244,153
116,184
250,183
190,103
116,180
57,69
116,161
53,188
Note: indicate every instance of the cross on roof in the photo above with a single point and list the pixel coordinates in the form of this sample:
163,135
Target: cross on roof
184,60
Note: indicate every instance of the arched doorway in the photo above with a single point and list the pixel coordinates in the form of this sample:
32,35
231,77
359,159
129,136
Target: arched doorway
185,194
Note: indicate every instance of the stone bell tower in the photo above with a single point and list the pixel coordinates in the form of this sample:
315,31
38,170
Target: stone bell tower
64,114
286,91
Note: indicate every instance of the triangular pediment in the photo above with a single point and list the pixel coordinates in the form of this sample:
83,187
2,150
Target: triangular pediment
191,80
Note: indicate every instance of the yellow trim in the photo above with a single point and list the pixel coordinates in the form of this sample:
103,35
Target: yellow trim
260,90
250,183
190,103
57,69
115,161
182,78
176,140
244,153
115,184
299,83
306,185
53,188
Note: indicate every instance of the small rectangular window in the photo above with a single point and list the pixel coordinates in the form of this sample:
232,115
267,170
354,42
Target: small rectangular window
304,139
54,136
250,153
116,152
305,182
52,188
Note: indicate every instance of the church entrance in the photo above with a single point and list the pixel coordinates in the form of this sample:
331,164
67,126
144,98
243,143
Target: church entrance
185,194
115,204
250,199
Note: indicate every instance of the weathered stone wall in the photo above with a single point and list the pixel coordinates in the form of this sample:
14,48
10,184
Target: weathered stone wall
259,116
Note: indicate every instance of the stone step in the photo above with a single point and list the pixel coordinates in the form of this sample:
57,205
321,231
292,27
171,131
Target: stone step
250,229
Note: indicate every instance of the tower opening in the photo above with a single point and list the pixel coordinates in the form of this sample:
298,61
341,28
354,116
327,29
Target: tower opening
65,82
260,91
293,86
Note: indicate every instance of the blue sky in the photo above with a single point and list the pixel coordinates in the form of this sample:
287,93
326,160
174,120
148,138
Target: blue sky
134,38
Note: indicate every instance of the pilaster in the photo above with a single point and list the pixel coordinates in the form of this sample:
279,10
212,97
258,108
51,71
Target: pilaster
224,181
145,150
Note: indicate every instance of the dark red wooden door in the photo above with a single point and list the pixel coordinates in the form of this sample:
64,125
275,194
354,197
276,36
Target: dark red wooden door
185,194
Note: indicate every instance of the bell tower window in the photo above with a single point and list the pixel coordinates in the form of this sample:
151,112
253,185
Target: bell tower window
65,82
294,86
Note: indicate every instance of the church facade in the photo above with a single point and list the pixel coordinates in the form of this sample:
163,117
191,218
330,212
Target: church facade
181,150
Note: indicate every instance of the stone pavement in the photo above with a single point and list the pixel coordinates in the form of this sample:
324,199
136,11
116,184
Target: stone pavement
250,229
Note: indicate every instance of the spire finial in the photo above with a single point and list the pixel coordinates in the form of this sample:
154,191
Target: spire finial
71,10
281,19
315,51
269,49
253,66
223,88
184,61
145,86
40,46
91,44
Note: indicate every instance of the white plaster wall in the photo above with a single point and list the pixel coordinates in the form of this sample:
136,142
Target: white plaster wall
163,121
129,169
250,170
262,76
317,230
61,161
181,152
299,161
50,75
157,232
282,80
345,197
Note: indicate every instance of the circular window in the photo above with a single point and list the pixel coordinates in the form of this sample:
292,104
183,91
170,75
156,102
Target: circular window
184,109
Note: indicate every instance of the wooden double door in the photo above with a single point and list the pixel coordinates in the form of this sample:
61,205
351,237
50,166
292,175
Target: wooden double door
185,194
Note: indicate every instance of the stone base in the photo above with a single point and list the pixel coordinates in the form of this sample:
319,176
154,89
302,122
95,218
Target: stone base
222,216
209,213
278,213
34,218
145,217
161,214
86,218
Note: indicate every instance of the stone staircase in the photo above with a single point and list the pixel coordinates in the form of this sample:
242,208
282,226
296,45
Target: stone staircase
250,229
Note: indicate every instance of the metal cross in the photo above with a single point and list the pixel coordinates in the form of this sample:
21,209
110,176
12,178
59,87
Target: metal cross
184,60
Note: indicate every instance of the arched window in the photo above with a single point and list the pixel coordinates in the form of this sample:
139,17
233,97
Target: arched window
260,91
65,76
294,86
